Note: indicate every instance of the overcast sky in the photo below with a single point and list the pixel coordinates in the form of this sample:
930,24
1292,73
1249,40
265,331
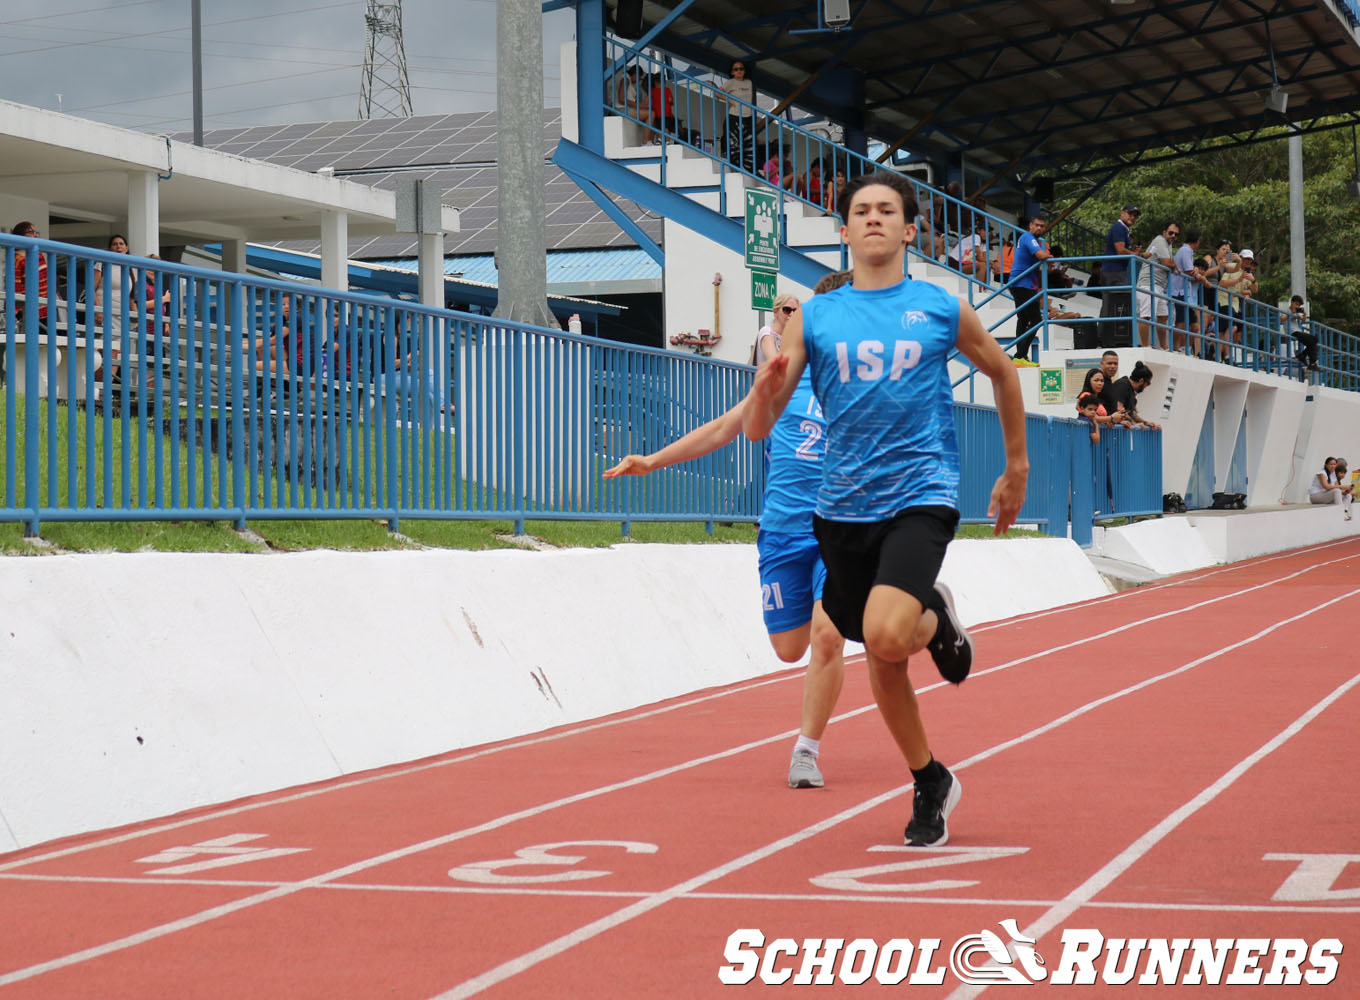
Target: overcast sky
128,62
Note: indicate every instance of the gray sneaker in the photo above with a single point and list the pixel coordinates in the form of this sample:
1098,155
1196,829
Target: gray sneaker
803,772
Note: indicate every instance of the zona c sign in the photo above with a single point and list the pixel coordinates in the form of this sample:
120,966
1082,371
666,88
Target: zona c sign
762,290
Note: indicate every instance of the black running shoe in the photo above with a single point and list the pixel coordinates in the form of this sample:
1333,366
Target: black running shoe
952,647
929,826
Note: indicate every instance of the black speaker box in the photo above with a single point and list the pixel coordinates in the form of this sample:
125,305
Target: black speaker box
628,19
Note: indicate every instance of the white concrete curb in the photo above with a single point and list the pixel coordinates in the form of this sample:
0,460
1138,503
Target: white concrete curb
141,685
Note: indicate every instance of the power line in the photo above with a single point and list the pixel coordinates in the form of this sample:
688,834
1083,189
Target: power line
225,86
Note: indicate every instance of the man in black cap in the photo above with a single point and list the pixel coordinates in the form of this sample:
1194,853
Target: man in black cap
1115,330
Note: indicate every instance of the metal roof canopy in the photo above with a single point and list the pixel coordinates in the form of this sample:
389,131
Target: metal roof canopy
1041,86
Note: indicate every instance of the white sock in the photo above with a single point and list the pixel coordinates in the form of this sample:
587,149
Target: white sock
811,746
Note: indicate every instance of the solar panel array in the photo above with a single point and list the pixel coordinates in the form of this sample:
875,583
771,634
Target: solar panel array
458,153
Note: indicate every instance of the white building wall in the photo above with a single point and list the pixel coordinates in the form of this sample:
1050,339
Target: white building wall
14,210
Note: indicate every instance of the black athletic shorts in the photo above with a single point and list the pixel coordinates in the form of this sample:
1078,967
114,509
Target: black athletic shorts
905,551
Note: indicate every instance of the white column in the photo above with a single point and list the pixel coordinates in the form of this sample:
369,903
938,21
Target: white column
144,213
432,269
1298,267
234,256
335,250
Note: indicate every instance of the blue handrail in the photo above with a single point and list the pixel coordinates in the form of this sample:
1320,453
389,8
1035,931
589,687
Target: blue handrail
784,153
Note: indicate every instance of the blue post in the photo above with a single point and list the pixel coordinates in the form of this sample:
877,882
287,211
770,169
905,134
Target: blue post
590,73
32,484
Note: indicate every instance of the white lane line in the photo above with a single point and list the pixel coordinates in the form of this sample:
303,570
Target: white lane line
528,960
866,898
784,675
195,919
1083,894
1149,619
781,677
225,909
1152,588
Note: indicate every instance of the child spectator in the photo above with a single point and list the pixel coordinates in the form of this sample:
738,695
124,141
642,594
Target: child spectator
1088,406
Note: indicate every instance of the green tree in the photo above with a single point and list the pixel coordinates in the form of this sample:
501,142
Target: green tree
1242,195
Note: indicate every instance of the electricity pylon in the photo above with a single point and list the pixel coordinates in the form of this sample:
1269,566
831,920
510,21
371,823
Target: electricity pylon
384,90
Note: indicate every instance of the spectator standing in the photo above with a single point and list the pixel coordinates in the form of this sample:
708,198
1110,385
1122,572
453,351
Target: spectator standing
1114,270
1296,325
1247,312
1091,390
741,136
1184,288
1153,300
770,337
1109,366
1030,249
1125,393
21,262
1088,406
1229,321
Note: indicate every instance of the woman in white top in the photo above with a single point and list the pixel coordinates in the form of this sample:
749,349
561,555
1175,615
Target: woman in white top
769,339
1328,486
741,148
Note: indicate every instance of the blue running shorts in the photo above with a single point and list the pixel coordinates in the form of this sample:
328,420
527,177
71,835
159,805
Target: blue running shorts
791,578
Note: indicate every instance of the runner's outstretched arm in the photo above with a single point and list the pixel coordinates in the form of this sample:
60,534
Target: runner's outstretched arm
981,348
705,440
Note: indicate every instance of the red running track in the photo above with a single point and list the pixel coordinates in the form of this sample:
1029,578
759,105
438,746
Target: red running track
1172,762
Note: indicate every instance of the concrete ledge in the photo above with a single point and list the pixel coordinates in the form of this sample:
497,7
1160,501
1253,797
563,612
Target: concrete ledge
141,685
1234,535
1161,545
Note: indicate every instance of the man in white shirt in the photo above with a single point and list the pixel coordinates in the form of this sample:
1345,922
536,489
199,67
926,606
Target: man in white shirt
1153,299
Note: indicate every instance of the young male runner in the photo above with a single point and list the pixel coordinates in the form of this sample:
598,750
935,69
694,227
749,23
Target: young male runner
888,503
791,570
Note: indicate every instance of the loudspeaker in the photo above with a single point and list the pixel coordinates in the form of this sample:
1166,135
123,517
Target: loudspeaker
1277,100
1043,190
835,13
628,19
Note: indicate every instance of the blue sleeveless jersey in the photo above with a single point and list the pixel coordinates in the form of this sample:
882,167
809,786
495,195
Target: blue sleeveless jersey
793,463
878,363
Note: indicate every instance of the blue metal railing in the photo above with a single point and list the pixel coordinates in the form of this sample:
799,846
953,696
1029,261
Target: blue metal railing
215,396
1232,328
1238,330
783,155
239,398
